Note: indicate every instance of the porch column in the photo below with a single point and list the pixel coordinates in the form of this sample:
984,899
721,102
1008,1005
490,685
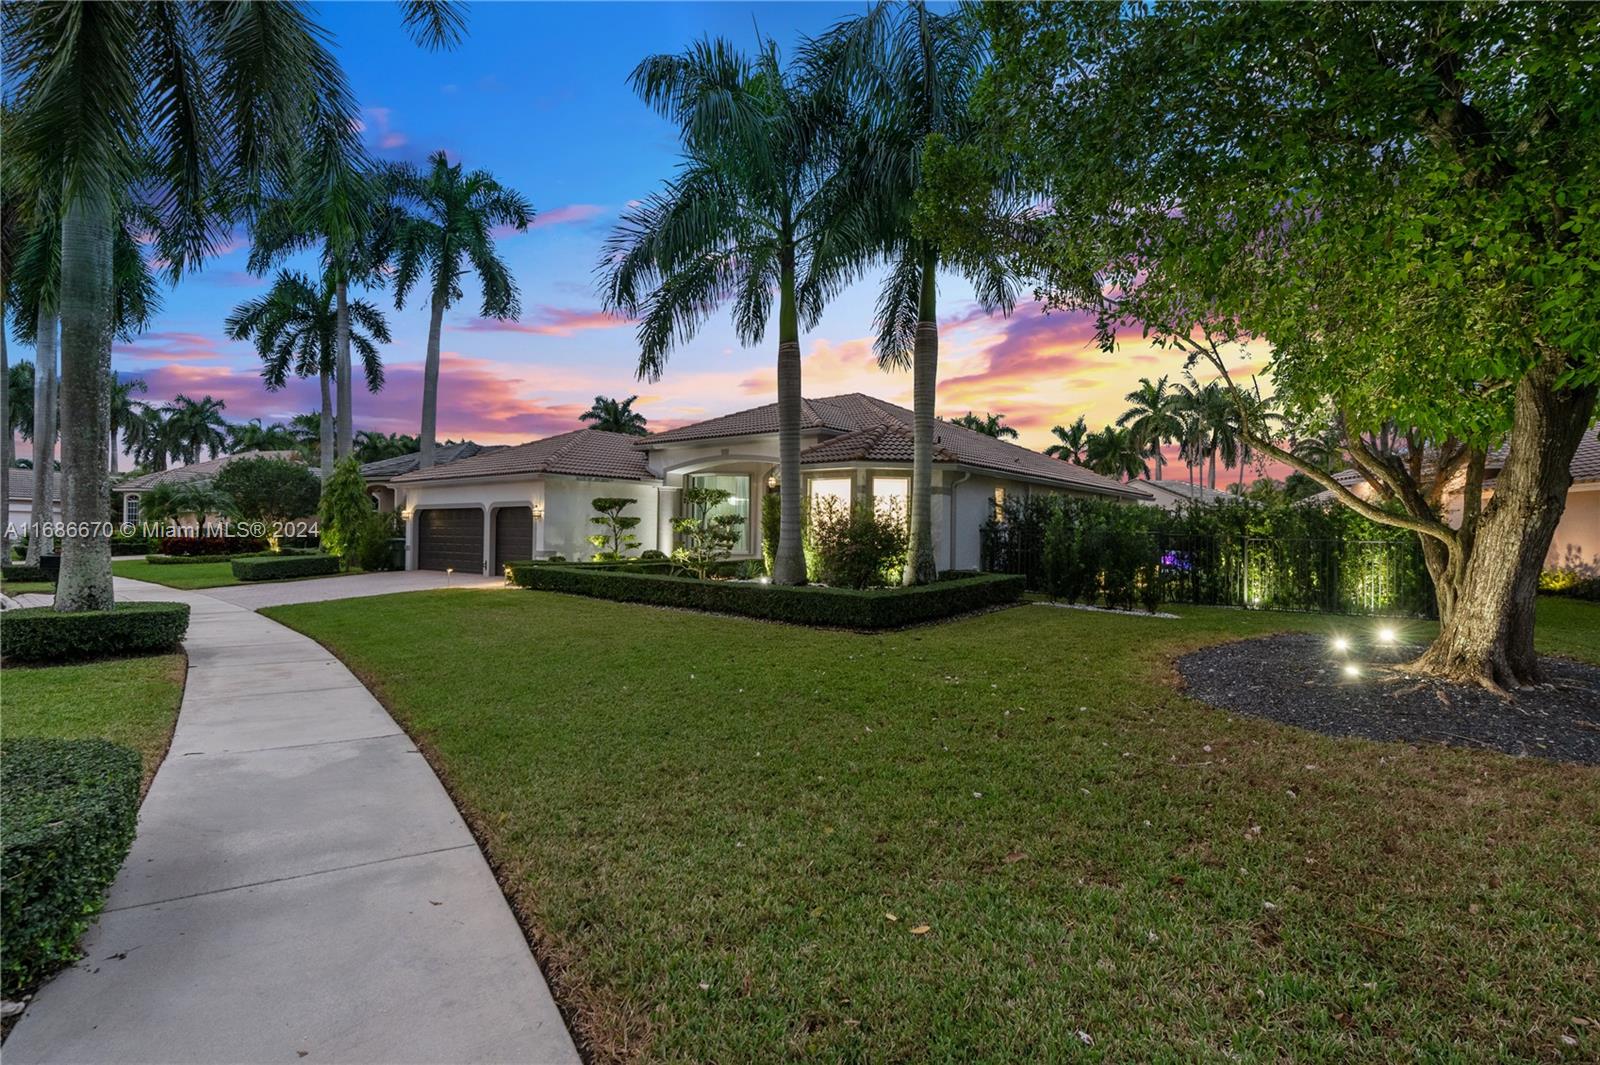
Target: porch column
667,497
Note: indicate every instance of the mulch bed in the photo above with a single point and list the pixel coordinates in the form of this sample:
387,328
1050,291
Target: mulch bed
1300,680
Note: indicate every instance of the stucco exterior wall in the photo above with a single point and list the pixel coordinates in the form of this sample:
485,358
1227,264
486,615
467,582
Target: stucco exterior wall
568,506
1576,544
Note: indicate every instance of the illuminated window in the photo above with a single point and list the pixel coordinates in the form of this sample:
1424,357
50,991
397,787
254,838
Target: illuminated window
738,488
999,503
826,488
892,495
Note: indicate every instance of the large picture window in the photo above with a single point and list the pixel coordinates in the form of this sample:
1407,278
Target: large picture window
892,496
834,488
738,502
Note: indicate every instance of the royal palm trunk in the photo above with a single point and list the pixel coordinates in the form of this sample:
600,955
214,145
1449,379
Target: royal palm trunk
7,444
44,430
430,383
86,229
788,562
345,426
920,565
325,433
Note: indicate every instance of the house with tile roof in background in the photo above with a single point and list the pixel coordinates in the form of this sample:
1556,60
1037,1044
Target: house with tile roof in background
477,513
129,491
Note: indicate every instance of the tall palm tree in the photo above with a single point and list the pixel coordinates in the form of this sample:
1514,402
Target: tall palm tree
1153,417
147,437
194,426
616,416
1072,438
307,432
253,436
125,410
174,103
989,425
760,212
373,446
444,227
1114,452
913,72
295,327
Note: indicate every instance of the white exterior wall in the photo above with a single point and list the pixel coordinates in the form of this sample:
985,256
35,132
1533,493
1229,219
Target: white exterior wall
1576,544
568,506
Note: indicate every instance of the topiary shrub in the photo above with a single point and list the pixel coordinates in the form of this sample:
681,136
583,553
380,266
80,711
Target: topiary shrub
70,808
652,555
618,537
43,634
281,567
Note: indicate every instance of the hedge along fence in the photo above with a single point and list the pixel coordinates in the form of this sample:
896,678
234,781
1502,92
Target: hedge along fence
1322,558
281,567
70,808
43,634
885,608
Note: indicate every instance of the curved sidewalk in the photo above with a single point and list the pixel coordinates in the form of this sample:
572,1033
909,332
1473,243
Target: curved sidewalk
301,887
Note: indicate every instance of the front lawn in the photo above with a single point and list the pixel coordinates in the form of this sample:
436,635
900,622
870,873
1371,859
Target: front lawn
16,588
191,576
1568,627
132,701
1003,838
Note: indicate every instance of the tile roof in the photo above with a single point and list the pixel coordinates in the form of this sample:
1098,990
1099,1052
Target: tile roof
198,471
876,431
389,469
579,453
1184,490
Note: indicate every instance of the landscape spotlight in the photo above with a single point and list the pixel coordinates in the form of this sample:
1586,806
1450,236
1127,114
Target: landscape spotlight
1386,635
1341,644
1352,670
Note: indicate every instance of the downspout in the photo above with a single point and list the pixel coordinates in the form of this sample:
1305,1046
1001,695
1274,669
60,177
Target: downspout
951,539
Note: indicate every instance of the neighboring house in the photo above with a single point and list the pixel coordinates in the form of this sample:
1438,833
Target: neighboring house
1576,543
22,501
129,491
380,475
1170,495
532,501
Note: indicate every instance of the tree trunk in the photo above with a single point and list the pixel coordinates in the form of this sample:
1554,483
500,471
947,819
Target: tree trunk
1213,471
113,427
325,428
788,561
85,582
346,424
9,443
430,384
921,567
44,368
1487,597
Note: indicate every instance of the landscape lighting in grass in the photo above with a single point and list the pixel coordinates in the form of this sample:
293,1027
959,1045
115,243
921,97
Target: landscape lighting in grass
1352,670
1386,635
1341,644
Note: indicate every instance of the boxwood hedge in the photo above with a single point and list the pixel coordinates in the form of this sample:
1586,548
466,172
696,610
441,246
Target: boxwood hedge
278,567
21,573
70,807
41,634
882,608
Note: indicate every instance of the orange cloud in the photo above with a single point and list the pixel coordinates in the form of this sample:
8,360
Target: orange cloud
548,321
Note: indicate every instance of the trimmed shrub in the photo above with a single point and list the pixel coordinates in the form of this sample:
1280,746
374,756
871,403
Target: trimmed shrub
652,555
70,811
42,634
210,545
23,573
887,608
1559,582
279,567
372,550
858,546
123,546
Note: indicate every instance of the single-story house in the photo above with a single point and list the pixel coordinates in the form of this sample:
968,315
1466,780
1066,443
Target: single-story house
478,513
380,475
129,491
1171,495
1576,543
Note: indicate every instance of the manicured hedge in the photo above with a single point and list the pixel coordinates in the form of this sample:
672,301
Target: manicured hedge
70,807
210,545
41,634
885,608
20,572
278,567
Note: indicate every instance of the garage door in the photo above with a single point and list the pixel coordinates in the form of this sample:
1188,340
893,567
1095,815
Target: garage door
513,536
450,539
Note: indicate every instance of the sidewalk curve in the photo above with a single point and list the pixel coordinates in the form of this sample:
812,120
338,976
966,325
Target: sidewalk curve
301,888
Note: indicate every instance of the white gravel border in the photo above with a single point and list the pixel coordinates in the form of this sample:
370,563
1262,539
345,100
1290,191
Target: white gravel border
1107,610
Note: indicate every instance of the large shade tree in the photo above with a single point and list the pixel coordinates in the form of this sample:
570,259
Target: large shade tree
760,213
445,227
1402,200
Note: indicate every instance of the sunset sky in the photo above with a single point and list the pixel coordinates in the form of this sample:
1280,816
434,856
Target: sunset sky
538,95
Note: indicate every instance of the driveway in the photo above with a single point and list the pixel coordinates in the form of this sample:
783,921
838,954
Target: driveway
355,586
301,886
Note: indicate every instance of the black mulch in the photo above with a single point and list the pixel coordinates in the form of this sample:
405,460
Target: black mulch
1300,680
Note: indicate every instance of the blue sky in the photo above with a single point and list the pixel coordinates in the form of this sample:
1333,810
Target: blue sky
538,95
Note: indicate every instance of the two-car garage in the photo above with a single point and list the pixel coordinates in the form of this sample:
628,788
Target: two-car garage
452,537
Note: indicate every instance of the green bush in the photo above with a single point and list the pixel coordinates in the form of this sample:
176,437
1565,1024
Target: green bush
858,546
1561,582
279,567
372,543
652,555
771,525
343,513
70,808
41,634
17,572
805,605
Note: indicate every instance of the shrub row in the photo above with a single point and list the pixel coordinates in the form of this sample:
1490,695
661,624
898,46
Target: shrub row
70,810
19,572
1569,583
278,567
41,634
887,608
210,545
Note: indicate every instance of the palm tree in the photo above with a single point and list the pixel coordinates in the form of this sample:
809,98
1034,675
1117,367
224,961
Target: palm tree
1114,452
307,432
195,425
174,103
372,446
125,410
147,437
295,326
445,223
913,73
989,425
253,436
1070,448
1154,417
616,416
760,211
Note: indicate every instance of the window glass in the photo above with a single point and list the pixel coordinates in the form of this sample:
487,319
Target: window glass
999,503
130,508
835,488
738,501
892,495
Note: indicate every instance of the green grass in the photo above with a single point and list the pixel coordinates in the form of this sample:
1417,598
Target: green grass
133,701
1568,627
16,588
707,821
191,576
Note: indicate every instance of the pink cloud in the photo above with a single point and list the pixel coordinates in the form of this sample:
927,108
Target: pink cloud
173,346
379,122
567,213
548,321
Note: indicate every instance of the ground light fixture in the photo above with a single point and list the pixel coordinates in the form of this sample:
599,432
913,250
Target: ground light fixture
1341,644
1352,670
1386,635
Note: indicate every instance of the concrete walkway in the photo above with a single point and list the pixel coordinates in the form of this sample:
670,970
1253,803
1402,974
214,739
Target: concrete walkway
354,586
301,888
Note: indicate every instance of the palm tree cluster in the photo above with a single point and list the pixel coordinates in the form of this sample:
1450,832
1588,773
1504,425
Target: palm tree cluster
796,179
989,425
616,416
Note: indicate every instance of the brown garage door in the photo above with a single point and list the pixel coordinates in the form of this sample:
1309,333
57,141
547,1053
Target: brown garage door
513,536
450,539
